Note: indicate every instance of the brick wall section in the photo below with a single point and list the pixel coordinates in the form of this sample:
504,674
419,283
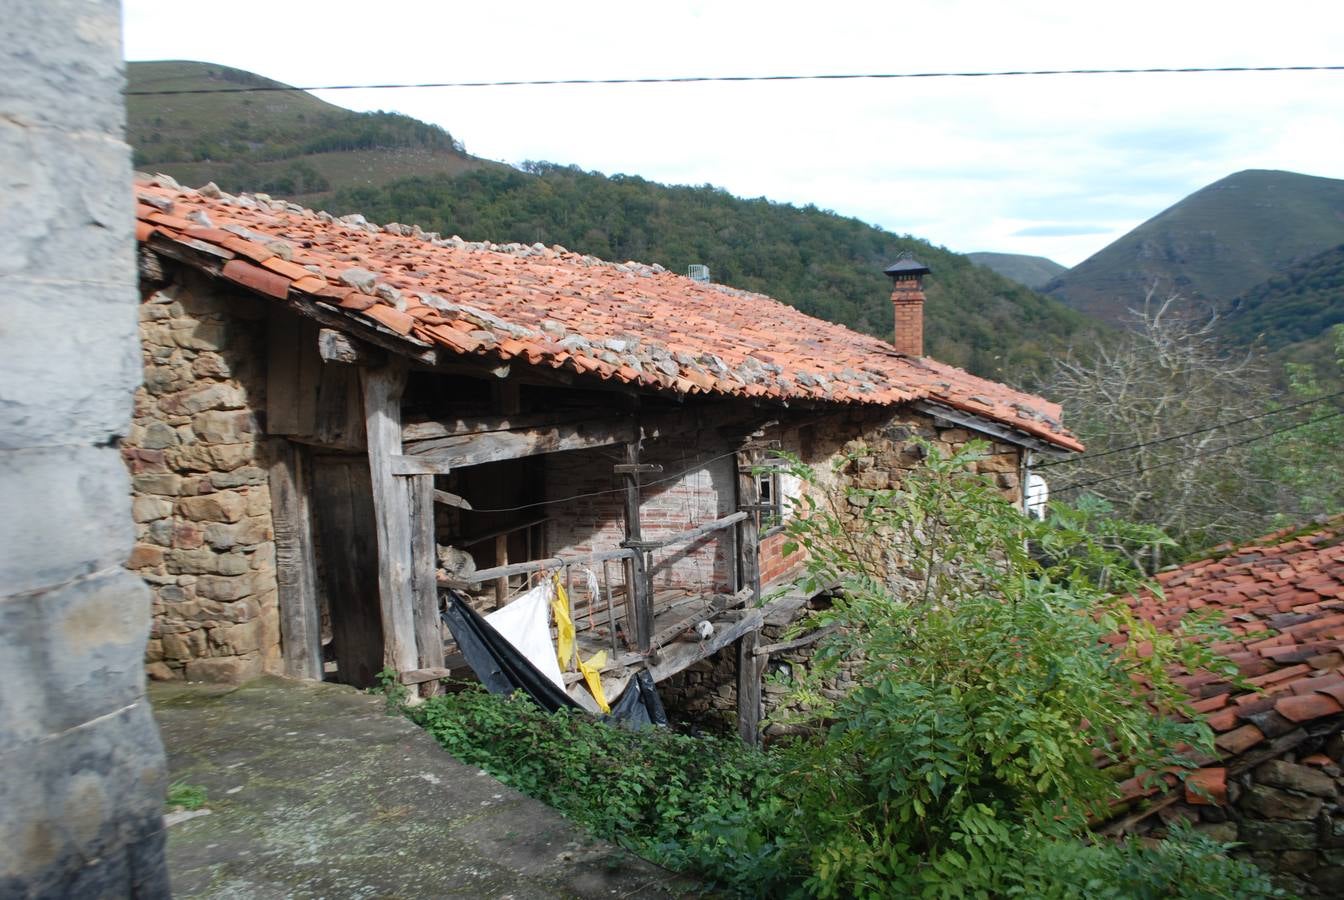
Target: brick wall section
907,300
596,523
1286,811
707,692
201,504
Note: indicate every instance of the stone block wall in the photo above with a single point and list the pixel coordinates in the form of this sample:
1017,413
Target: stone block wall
81,766
202,507
1287,813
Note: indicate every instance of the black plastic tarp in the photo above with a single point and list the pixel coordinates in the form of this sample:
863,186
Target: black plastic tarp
503,670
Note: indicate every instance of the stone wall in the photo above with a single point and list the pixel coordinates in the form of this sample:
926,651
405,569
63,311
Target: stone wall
81,766
706,693
1286,812
198,464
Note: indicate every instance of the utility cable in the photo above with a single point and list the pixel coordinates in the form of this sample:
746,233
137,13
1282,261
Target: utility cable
702,79
1210,452
1173,437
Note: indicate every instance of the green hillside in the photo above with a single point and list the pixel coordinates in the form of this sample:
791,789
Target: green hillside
824,264
286,143
392,167
1213,245
1033,271
1296,305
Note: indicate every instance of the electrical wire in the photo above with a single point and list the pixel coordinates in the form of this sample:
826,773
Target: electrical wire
619,490
1215,450
718,79
1173,437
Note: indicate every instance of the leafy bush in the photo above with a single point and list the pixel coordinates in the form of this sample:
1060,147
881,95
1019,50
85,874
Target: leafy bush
962,764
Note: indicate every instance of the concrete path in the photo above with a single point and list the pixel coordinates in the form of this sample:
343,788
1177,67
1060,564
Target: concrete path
313,791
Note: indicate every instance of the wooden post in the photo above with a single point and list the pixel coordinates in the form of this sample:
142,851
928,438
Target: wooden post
424,579
295,569
392,513
637,599
748,531
750,669
501,559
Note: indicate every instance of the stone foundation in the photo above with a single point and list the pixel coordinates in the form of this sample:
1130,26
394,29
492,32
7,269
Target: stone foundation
202,507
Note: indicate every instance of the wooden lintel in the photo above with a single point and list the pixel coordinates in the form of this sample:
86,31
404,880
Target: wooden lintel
440,454
338,347
638,468
457,426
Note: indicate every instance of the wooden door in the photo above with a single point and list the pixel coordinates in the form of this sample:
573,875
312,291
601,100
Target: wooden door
347,567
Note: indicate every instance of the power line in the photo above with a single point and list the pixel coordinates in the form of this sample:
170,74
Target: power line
1173,437
1215,450
719,79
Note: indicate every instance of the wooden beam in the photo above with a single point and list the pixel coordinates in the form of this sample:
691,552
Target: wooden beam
692,534
676,657
501,562
805,640
338,347
639,593
536,565
460,425
424,581
382,390
450,499
750,670
295,568
442,454
749,530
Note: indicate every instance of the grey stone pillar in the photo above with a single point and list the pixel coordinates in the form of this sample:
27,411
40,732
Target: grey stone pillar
81,765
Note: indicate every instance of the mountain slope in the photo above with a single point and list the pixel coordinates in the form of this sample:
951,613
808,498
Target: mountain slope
1033,271
281,142
1213,245
1296,305
826,265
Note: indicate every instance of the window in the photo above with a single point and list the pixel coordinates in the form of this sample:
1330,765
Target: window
770,496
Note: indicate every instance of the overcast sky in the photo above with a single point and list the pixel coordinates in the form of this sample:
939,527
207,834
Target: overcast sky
1053,166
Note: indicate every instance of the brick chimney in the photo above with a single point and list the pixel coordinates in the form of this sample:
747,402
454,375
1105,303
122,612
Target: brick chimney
907,297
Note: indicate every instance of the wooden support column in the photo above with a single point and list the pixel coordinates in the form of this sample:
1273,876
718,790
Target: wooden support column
424,579
295,569
392,513
639,599
750,670
501,559
749,530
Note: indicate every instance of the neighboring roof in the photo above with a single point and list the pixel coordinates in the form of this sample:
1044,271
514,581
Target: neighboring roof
1283,598
551,307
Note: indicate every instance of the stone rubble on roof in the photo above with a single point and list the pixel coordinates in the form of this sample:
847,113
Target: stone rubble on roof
550,306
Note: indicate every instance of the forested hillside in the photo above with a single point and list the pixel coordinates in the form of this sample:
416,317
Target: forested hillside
824,264
1033,271
280,142
1296,305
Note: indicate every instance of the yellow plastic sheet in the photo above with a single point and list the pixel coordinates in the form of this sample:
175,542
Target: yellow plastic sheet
592,674
564,626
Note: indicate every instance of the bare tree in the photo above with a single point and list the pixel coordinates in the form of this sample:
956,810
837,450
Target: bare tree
1163,409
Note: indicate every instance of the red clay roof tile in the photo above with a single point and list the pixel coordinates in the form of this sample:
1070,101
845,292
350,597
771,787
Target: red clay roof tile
1204,787
1305,707
685,335
258,279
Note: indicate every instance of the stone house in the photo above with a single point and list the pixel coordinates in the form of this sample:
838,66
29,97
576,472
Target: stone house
1276,783
339,418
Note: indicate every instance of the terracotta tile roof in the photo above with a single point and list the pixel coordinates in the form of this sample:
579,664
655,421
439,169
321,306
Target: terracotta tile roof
1282,597
551,307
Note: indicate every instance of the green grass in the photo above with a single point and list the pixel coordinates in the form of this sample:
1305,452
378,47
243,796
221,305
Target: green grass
186,796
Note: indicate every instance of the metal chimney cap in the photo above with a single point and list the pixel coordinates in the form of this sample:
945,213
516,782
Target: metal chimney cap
906,266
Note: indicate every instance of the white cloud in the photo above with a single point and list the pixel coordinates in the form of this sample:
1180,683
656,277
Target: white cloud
969,163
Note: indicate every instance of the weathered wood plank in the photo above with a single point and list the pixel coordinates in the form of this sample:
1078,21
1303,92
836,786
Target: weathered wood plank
748,531
678,656
450,499
458,426
424,584
338,347
442,454
392,512
750,669
480,576
640,605
295,569
693,534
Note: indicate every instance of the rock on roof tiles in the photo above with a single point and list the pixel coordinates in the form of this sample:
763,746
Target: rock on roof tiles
529,301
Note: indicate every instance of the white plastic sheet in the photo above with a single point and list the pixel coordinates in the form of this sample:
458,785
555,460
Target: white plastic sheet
526,624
